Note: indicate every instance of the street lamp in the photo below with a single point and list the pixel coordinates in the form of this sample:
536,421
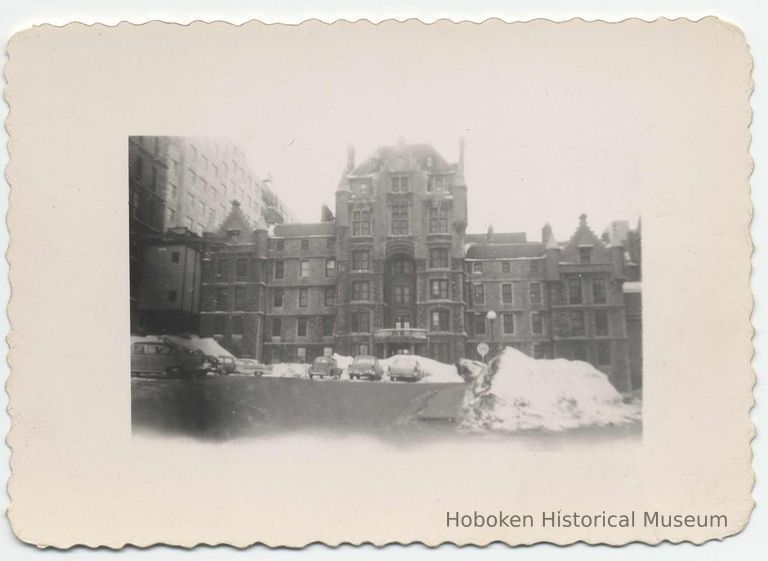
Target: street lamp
491,317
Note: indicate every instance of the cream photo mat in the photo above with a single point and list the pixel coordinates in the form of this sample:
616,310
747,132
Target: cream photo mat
75,99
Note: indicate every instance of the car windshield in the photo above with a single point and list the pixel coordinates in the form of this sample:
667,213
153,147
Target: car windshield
364,360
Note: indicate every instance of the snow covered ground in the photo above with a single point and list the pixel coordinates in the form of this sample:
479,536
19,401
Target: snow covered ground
517,392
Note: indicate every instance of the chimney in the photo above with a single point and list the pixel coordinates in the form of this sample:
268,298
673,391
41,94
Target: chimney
350,158
489,234
546,232
462,143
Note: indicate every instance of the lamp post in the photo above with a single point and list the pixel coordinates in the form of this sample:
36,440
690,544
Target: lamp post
491,317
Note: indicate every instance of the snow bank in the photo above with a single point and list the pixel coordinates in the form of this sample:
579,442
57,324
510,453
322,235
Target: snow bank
192,342
517,392
342,361
288,370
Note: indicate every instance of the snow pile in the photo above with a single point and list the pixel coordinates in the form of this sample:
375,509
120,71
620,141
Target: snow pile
342,361
469,369
517,392
288,370
192,342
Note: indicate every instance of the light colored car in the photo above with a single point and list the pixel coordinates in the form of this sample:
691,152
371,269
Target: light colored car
324,366
365,366
227,364
404,367
250,366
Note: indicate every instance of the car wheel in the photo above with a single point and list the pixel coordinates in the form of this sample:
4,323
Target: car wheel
311,376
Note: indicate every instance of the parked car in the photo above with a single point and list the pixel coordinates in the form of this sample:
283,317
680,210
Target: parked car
227,364
250,366
324,366
164,358
404,367
213,365
367,367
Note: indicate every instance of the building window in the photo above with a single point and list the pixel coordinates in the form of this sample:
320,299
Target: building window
438,258
440,320
222,270
402,294
175,257
238,325
304,268
479,324
171,295
436,183
401,267
361,290
603,353
303,297
438,220
579,351
574,290
535,267
537,323
277,327
506,293
506,267
241,269
330,243
222,299
330,267
438,289
508,323
577,322
280,245
585,255
361,260
364,188
402,321
329,296
240,297
399,184
359,349
601,322
477,267
598,291
478,294
277,298
541,350
327,326
361,223
279,269
219,324
535,292
400,221
360,322
301,327
305,245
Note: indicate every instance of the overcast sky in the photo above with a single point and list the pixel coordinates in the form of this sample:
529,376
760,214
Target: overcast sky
552,130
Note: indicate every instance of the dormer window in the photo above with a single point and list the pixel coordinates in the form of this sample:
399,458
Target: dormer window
585,254
400,184
364,189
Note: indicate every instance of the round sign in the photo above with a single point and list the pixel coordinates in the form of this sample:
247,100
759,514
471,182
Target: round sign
482,349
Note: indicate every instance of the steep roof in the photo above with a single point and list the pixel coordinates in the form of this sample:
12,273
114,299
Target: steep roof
237,220
305,229
506,251
403,157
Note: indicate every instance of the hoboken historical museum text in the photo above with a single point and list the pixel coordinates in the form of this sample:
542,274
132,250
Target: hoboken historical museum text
603,519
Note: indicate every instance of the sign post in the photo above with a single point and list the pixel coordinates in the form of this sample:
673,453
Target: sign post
482,349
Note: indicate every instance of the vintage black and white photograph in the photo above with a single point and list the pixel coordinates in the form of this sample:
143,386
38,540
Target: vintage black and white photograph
398,298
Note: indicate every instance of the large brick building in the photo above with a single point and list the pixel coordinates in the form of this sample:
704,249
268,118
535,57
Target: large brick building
179,188
393,270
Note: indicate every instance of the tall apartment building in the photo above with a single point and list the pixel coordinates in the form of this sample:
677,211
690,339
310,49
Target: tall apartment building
179,188
394,271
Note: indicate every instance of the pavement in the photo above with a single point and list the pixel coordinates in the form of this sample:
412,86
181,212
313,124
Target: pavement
223,407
